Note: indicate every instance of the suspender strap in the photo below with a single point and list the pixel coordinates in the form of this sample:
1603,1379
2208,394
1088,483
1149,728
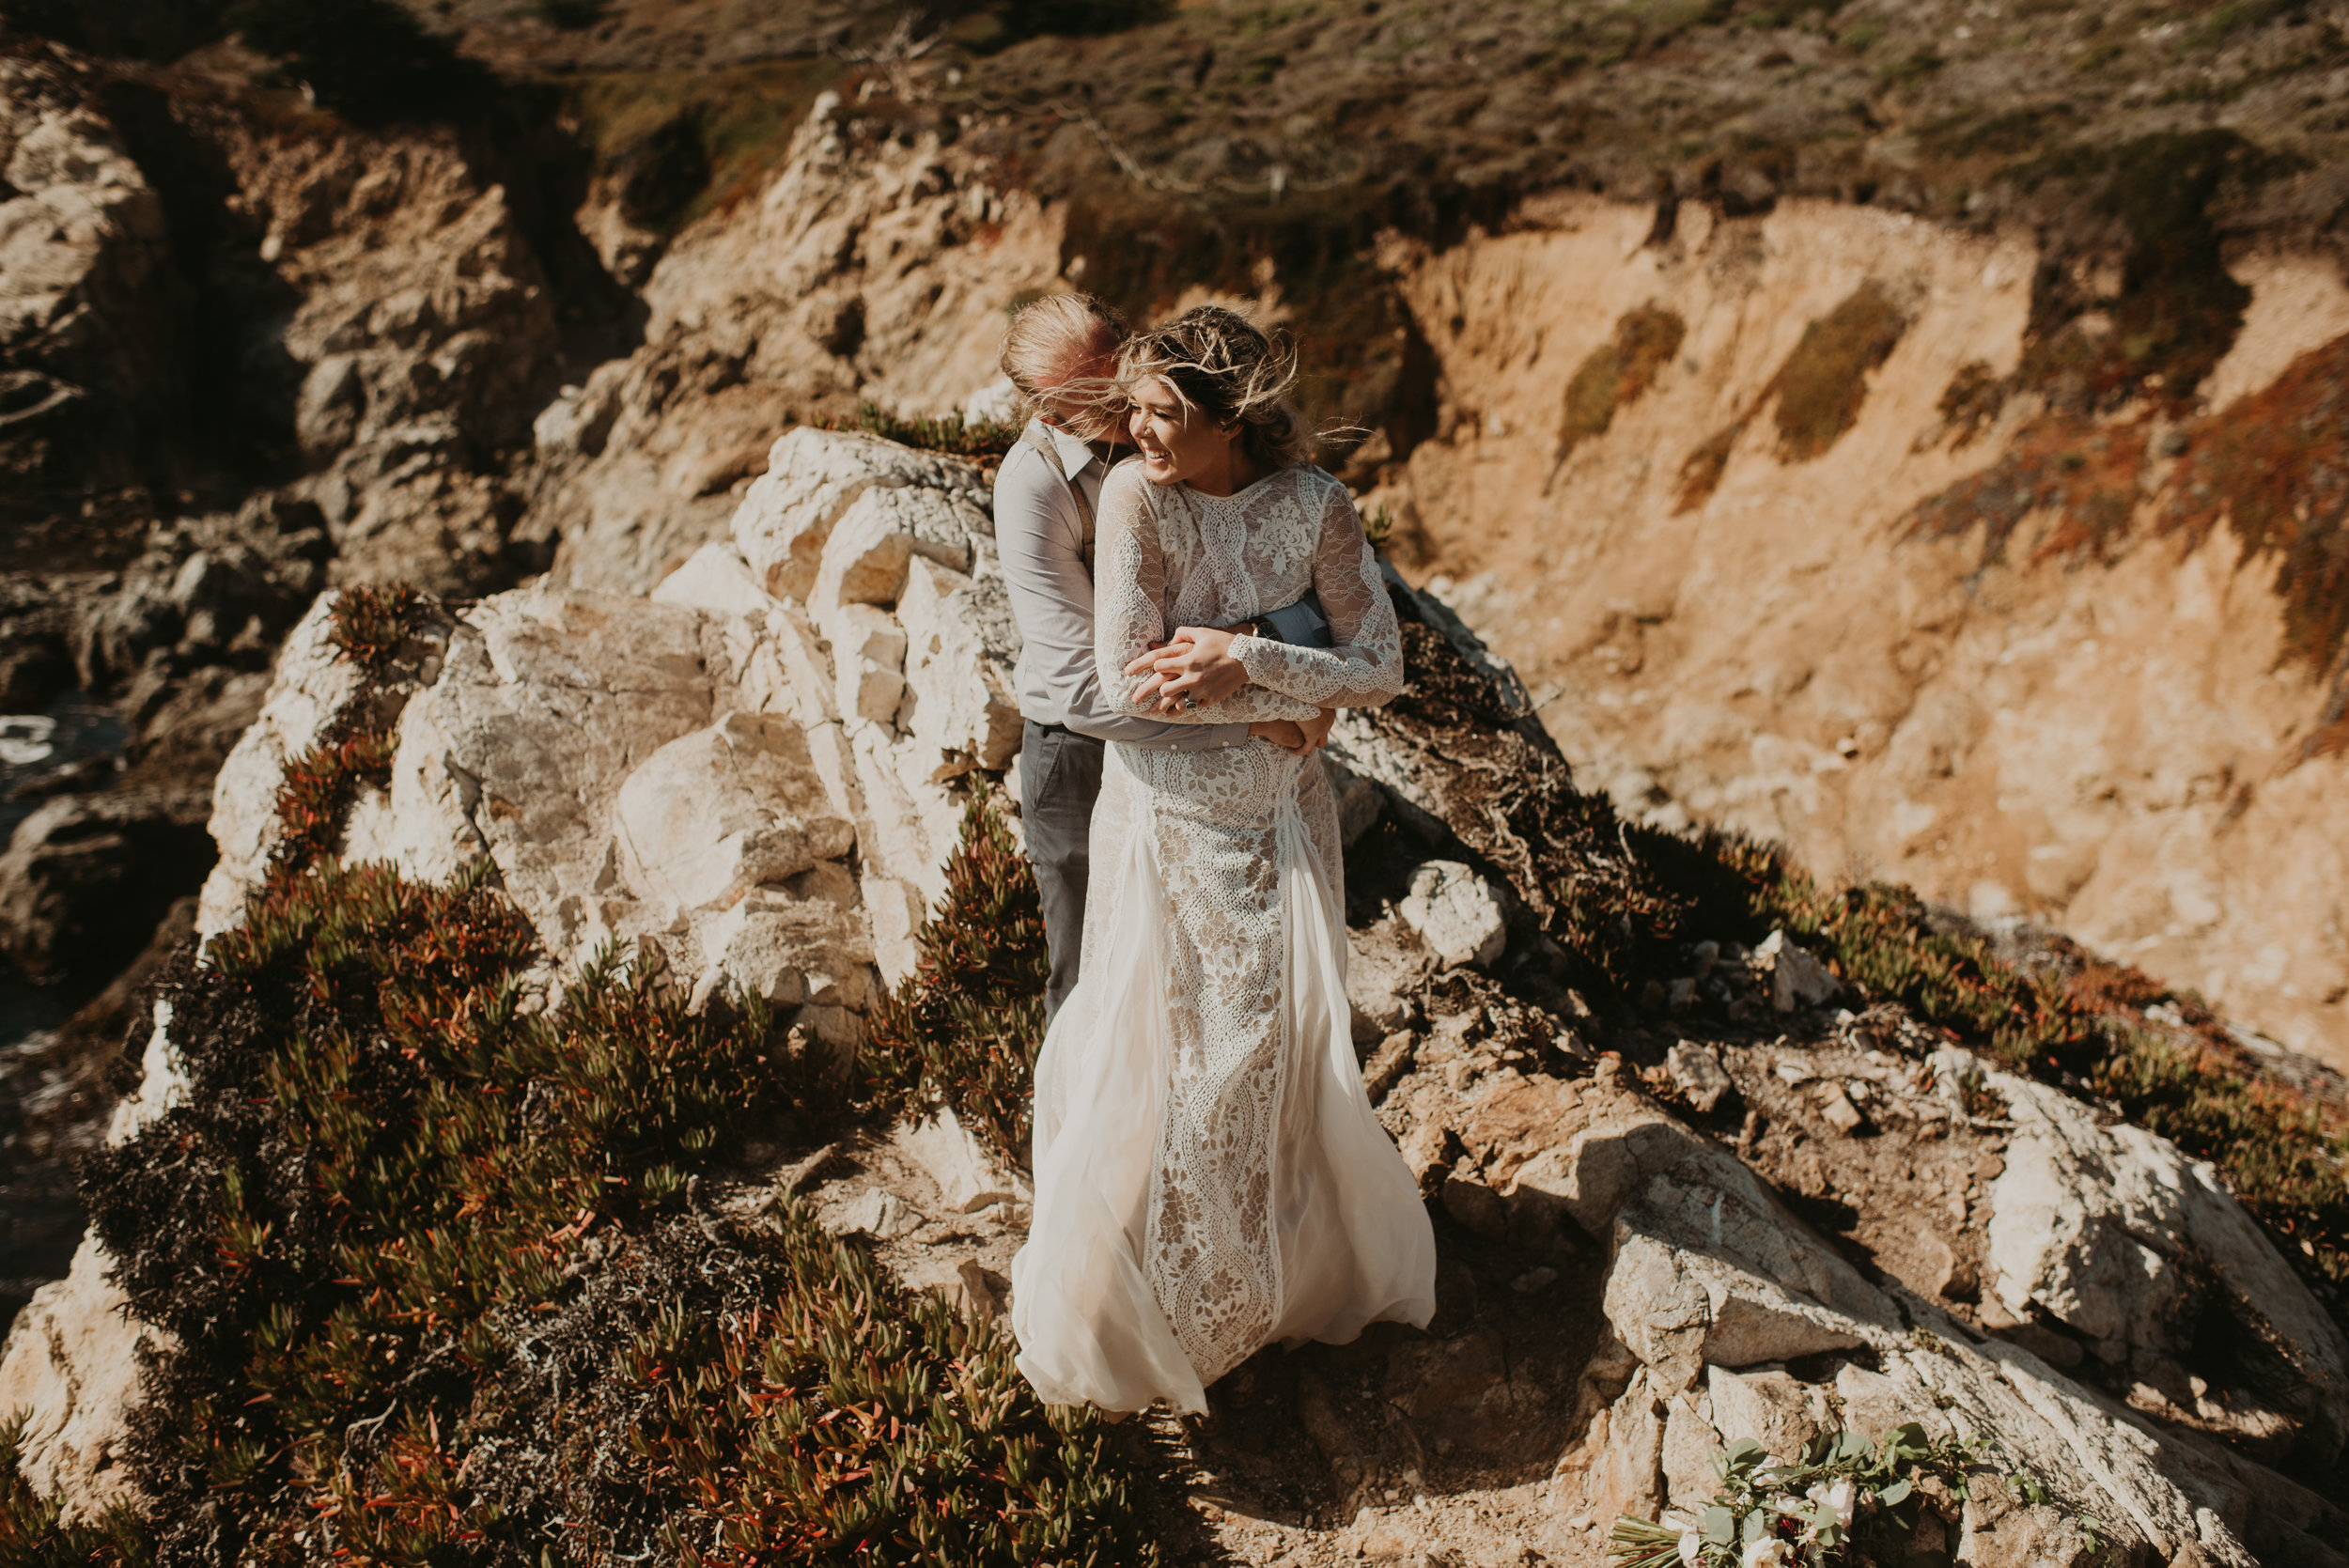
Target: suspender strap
1040,436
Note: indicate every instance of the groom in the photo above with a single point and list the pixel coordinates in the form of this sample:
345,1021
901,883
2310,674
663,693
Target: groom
1044,494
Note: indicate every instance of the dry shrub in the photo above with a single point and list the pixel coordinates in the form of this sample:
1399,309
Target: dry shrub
2275,466
1971,401
1825,380
2085,478
1618,374
1700,474
1819,390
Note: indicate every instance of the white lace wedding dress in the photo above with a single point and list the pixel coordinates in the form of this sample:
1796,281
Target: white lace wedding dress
1210,1175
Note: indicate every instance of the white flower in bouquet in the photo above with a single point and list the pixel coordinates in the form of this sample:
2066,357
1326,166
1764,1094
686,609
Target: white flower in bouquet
1838,1498
1768,1552
1691,1543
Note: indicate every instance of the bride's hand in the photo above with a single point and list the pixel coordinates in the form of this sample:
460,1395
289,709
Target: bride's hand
1317,729
1287,734
1140,664
1196,668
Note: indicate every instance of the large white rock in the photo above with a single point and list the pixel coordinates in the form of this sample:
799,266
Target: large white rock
720,811
1710,1276
71,1365
804,942
967,1176
549,700
1680,1312
2116,1233
1456,913
813,477
311,687
717,579
868,652
864,560
961,647
71,1362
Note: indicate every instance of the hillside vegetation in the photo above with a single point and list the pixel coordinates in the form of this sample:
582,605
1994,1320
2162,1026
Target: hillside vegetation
447,1283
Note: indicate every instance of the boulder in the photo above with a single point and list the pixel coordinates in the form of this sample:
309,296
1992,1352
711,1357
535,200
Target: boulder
717,581
720,811
548,701
1698,1072
1797,979
875,1212
1713,1285
966,1175
2116,1234
1683,1311
961,647
1456,913
804,943
1770,1405
85,878
812,478
72,1364
90,348
868,651
882,532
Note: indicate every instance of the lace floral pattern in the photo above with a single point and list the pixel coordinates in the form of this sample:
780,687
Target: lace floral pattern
1220,825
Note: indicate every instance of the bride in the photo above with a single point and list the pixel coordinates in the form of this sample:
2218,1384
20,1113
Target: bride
1210,1175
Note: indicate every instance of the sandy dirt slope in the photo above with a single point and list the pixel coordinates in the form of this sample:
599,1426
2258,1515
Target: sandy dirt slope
2111,747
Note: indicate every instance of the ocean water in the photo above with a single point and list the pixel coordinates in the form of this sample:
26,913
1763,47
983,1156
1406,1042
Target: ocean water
40,1215
37,748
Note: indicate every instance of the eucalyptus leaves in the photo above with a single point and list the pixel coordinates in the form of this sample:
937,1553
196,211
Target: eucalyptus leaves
1846,1501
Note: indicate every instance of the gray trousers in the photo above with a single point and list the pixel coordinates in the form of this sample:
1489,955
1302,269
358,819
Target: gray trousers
1060,775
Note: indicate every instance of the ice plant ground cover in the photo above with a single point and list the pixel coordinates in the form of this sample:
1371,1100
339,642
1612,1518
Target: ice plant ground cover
375,1085
442,1285
1845,1501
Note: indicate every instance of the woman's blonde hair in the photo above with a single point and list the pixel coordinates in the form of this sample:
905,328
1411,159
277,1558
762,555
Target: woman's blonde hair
1232,370
1049,337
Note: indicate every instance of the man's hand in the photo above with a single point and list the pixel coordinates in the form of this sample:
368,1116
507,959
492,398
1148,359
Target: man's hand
1194,668
1287,734
1317,729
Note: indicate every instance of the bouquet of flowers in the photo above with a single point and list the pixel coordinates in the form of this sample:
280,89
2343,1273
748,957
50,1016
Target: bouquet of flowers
1845,1492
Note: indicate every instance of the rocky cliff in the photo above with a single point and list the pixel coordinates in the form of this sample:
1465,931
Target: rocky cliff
745,784
2004,653
1851,475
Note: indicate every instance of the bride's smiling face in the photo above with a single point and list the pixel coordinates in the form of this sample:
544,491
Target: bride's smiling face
1177,440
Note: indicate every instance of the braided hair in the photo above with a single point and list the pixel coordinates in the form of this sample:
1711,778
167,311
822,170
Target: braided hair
1228,369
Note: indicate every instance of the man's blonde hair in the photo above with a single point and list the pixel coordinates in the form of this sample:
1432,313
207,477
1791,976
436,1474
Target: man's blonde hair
1049,337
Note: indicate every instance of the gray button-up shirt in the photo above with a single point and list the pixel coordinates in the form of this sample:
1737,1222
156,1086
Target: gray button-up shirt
1041,534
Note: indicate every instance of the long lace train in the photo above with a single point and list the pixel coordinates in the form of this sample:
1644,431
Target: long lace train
1201,1190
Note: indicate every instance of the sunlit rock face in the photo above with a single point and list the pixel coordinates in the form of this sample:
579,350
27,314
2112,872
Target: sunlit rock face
1699,490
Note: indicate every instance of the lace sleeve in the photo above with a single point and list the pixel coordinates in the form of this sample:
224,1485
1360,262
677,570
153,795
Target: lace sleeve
1128,615
1366,667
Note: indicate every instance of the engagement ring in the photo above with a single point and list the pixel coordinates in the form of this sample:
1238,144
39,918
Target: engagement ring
1190,702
